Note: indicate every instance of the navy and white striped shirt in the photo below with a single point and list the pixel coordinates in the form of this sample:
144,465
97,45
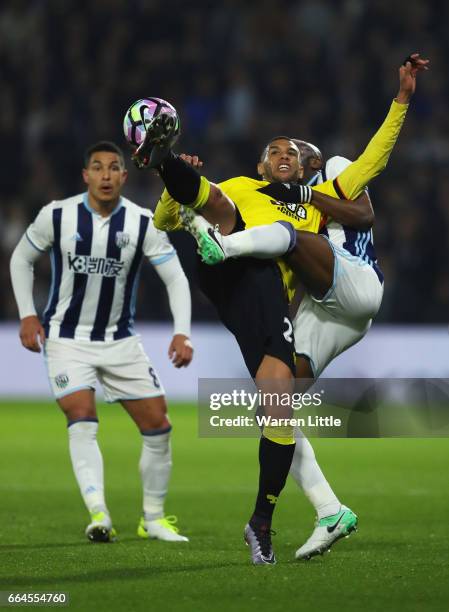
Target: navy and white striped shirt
359,244
95,266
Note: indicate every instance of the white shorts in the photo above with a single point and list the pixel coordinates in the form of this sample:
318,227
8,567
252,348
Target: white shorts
325,328
122,368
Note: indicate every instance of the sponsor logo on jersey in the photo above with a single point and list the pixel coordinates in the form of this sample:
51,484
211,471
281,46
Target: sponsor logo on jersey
291,209
86,264
121,239
62,380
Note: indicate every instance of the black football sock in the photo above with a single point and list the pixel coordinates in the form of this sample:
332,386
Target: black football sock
181,180
275,461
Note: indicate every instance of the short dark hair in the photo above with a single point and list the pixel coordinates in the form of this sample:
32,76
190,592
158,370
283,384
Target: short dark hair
265,149
307,149
103,145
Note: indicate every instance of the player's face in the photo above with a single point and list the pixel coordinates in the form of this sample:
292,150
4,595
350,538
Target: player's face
281,163
104,177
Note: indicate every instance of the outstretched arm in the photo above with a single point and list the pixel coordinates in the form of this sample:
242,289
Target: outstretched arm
350,183
358,213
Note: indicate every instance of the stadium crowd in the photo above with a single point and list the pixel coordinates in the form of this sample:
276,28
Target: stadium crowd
238,73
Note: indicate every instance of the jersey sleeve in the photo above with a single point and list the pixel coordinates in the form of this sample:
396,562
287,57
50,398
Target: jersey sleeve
228,186
335,166
157,246
234,187
41,233
351,182
166,216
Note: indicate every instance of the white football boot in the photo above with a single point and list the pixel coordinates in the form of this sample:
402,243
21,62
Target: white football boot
328,530
101,529
161,529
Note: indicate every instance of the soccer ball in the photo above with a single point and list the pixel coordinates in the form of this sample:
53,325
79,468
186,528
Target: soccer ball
140,114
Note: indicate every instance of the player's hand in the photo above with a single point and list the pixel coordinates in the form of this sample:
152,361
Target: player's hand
31,332
407,76
193,160
180,351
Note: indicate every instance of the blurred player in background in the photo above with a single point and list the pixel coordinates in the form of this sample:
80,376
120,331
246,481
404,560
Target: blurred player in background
236,291
97,241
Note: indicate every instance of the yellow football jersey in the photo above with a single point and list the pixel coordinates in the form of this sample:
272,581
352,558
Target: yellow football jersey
262,203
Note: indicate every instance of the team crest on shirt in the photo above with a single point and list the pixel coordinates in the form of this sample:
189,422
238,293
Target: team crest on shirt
62,380
121,239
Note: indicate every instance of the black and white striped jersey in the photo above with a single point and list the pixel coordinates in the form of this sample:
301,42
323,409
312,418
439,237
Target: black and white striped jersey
357,243
95,265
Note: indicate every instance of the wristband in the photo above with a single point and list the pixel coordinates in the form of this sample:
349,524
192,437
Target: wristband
306,194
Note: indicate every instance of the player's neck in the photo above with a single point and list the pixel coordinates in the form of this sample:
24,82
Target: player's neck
104,209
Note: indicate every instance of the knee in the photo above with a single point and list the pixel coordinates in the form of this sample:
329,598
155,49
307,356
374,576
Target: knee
273,369
292,233
156,431
79,406
159,422
155,420
81,412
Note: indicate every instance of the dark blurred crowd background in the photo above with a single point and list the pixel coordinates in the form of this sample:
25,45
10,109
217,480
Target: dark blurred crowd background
238,72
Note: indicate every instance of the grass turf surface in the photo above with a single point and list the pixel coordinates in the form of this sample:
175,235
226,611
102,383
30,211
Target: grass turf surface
398,559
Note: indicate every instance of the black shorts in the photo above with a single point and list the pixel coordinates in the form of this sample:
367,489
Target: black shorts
250,300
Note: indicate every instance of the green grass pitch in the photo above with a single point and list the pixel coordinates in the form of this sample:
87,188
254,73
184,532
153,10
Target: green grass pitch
397,561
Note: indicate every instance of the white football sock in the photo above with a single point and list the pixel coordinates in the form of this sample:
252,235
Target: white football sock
264,242
87,464
308,475
155,468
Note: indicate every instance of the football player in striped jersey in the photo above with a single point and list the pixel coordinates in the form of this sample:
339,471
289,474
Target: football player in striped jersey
97,241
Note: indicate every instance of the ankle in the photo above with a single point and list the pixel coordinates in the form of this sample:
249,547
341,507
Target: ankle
260,522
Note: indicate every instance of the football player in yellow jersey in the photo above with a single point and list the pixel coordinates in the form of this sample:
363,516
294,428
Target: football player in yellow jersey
247,293
339,268
250,298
